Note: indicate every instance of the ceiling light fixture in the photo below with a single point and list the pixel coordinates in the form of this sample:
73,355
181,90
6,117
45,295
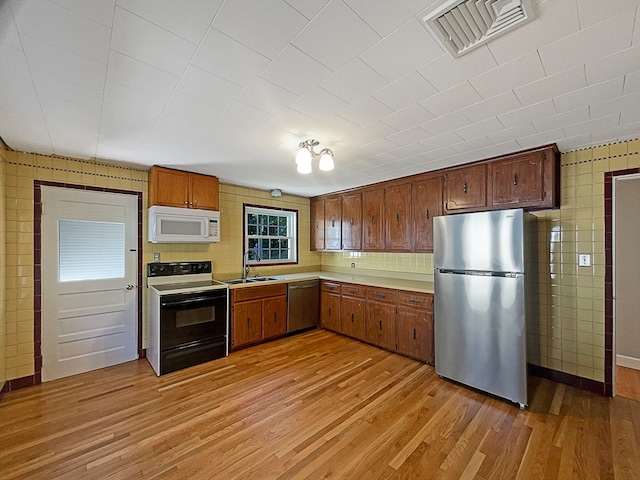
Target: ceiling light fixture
306,154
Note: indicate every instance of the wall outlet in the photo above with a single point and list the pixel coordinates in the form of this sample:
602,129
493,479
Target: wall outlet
353,264
584,260
156,257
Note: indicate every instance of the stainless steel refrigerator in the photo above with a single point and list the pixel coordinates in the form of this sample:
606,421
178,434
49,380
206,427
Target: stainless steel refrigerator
485,288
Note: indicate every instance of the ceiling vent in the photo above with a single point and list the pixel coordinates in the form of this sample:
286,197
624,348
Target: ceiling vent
462,25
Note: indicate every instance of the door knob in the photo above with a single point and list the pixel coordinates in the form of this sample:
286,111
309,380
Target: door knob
129,287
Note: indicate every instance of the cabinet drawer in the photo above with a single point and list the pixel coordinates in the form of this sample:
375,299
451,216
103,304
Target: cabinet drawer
352,290
262,291
333,287
415,299
381,295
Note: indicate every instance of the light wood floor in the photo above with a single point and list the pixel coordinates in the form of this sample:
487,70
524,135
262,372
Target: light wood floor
314,406
628,382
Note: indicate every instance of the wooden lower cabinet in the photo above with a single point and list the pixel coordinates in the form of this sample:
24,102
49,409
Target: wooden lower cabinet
330,305
396,320
274,317
247,323
415,325
381,325
258,313
352,311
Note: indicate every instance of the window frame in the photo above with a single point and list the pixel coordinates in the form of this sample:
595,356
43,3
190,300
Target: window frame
269,210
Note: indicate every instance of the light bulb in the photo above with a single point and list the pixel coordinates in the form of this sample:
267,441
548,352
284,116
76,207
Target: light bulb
303,156
304,166
326,161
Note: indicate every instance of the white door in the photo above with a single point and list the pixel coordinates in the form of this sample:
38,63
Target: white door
89,271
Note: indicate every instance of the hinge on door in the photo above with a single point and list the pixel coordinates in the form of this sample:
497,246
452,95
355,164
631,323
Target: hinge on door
446,205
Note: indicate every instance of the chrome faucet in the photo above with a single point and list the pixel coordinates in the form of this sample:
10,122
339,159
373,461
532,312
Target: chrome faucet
245,260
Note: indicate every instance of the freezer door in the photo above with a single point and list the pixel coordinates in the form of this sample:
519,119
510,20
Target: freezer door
480,333
487,241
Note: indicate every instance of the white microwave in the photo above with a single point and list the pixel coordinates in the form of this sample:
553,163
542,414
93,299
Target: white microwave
183,225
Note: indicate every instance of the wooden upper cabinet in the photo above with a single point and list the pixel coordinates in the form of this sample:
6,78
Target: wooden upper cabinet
204,192
333,223
397,211
176,188
352,221
466,188
524,180
317,223
426,203
372,219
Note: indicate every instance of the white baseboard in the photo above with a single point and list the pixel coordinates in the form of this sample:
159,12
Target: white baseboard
629,362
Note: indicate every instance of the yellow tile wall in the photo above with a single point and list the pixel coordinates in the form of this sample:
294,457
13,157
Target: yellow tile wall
21,169
3,269
571,330
570,337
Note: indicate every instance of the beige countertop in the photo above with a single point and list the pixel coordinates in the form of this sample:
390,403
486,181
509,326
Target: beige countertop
372,281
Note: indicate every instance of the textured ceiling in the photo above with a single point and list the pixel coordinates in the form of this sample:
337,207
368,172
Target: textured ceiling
231,87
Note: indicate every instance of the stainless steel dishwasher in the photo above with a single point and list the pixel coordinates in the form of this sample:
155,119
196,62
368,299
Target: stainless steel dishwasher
304,305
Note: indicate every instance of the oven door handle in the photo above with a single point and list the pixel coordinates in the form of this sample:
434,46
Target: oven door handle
189,301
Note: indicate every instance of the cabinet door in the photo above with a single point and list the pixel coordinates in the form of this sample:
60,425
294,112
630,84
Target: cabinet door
466,188
415,333
317,224
330,311
518,181
352,221
372,221
204,192
274,317
426,203
246,326
381,325
168,187
352,317
397,208
332,223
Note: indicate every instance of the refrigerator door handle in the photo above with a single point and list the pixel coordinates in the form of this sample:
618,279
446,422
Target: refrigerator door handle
479,273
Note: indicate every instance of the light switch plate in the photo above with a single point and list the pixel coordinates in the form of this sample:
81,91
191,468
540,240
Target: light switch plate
584,260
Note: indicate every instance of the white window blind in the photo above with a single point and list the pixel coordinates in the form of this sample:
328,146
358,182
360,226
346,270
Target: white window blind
90,250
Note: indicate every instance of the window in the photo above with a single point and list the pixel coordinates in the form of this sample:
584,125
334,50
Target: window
272,234
90,250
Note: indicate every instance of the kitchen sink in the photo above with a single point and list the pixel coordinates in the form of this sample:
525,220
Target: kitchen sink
236,281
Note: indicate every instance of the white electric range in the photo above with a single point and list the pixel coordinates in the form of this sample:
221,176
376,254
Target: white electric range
187,315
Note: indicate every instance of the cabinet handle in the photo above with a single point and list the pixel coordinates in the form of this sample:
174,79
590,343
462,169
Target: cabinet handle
317,226
275,316
373,220
464,188
427,214
515,180
398,217
352,318
351,221
249,322
186,203
380,323
414,333
333,223
329,313
414,301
